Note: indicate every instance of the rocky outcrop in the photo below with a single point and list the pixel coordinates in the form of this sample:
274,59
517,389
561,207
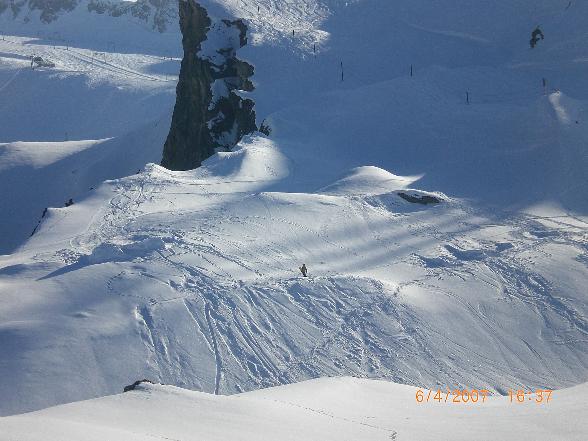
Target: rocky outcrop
159,13
209,115
420,199
49,9
133,386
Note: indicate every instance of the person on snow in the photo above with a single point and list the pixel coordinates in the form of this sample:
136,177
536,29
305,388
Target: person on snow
304,270
535,36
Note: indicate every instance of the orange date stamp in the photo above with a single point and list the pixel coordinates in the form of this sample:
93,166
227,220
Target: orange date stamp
452,396
479,396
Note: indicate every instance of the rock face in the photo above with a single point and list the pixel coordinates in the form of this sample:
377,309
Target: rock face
208,116
159,13
49,9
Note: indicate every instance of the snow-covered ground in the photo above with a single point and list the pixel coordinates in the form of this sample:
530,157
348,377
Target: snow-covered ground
325,409
191,278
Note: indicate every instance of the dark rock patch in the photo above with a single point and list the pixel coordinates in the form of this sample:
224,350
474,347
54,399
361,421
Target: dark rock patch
156,12
424,200
133,386
208,115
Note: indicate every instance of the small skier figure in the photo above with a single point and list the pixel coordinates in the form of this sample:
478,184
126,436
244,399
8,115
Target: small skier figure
304,270
535,36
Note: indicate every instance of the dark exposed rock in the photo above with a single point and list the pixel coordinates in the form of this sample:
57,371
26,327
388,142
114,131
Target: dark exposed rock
242,30
415,199
49,9
265,128
193,95
157,12
41,62
535,36
208,115
40,220
133,386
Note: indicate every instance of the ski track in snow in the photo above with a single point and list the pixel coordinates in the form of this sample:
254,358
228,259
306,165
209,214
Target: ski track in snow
335,322
97,66
219,364
453,295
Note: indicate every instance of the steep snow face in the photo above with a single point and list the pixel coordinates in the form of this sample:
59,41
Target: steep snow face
191,278
327,409
38,175
109,110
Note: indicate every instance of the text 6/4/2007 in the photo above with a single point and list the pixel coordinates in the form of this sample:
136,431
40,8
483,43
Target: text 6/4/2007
452,396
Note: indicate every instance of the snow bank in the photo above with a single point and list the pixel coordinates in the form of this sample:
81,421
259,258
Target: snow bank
326,409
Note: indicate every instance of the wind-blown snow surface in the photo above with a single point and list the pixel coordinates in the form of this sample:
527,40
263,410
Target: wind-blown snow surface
325,409
190,278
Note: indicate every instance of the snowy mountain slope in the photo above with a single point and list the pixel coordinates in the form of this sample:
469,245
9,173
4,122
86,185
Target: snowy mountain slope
469,151
126,98
112,91
326,409
192,275
42,175
117,89
191,278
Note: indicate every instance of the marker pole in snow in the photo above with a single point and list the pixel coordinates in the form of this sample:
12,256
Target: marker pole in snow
411,70
467,97
342,72
544,86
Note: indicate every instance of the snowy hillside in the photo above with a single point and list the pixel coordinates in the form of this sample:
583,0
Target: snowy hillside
325,409
443,216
